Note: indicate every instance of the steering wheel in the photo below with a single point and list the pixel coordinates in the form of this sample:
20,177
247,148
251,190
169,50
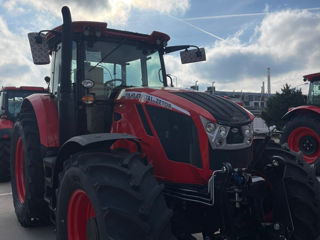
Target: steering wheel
113,80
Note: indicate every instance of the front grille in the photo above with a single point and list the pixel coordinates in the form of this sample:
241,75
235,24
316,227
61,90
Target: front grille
240,158
178,135
235,136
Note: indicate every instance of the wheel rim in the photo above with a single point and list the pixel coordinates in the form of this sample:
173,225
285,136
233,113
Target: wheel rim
19,156
307,141
80,211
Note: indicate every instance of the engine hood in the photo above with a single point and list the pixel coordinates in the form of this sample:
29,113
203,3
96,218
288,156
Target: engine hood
223,111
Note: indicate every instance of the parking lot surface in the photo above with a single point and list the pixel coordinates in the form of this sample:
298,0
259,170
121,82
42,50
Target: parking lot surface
10,228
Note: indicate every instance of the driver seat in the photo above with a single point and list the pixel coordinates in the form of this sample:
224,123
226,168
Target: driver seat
98,89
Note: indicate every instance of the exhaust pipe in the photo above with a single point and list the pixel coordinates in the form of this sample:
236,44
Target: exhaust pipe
66,103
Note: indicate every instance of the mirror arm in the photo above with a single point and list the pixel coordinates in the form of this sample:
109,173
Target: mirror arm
39,38
180,47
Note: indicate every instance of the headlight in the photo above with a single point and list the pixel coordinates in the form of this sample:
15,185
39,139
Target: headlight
247,131
210,127
219,142
223,131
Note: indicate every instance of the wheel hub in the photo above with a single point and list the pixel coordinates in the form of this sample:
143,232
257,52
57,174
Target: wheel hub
308,145
92,229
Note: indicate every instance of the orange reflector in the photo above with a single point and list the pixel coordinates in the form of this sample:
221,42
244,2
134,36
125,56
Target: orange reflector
87,99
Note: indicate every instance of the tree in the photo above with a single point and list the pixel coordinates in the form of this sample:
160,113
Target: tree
279,104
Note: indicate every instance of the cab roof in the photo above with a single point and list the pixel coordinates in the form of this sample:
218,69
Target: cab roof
312,77
100,28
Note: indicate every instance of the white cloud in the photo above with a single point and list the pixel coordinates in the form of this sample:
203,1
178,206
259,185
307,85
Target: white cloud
16,68
116,12
287,41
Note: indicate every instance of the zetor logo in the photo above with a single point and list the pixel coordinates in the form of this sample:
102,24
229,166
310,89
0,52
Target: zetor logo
143,97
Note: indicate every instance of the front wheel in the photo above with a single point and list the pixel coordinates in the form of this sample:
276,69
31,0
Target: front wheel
302,133
110,196
4,160
302,191
27,177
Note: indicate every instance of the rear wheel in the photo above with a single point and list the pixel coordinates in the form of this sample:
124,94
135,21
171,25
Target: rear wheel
110,196
302,190
4,160
302,133
27,178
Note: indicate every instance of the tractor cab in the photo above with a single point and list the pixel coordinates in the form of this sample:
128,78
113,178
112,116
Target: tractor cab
11,99
90,65
314,88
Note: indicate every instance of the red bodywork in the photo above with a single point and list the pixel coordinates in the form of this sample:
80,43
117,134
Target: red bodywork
301,110
47,118
164,169
26,88
312,77
5,128
5,124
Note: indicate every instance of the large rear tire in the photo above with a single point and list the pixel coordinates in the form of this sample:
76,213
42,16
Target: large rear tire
27,177
4,160
302,133
110,196
302,190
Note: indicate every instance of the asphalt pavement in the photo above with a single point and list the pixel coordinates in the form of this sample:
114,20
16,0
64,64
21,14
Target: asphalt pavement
10,229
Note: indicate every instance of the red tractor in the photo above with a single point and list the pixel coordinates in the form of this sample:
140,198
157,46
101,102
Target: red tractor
302,128
113,151
10,103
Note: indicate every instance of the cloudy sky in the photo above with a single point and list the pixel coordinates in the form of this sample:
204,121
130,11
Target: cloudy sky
242,38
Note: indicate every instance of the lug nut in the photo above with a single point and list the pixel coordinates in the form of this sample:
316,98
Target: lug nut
276,226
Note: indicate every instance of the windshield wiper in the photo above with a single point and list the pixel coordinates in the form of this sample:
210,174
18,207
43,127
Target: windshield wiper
108,54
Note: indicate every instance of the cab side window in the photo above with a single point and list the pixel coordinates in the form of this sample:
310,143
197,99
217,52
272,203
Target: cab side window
55,70
1,106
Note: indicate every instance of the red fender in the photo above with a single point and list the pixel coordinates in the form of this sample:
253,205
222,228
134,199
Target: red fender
47,118
304,108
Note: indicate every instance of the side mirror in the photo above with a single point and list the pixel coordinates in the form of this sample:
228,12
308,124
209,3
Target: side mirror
39,48
194,55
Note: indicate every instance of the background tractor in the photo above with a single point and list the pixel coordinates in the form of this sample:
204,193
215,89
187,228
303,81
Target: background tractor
302,129
10,103
114,152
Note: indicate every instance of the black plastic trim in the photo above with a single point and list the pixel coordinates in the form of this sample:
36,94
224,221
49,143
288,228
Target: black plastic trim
178,135
144,120
239,158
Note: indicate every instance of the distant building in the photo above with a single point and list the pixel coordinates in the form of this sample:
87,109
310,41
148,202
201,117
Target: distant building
254,102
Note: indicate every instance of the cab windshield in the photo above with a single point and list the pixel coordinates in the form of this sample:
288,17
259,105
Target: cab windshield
314,93
113,64
14,101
